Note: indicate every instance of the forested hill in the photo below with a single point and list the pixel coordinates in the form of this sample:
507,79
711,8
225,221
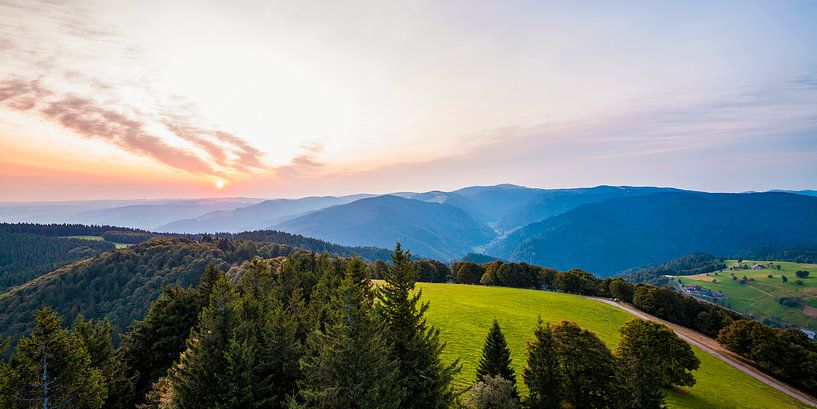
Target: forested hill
24,256
691,264
436,230
120,284
621,233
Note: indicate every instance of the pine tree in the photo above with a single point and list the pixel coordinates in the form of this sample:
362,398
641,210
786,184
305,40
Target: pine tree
51,369
496,357
542,375
97,338
416,346
348,364
198,380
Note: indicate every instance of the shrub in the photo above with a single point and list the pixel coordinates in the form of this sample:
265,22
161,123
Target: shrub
492,393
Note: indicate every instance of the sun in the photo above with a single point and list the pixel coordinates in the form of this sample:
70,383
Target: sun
219,183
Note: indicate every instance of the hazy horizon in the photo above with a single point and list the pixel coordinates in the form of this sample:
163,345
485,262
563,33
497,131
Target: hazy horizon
127,100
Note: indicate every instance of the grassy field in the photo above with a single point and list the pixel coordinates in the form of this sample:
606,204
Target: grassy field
759,297
463,314
96,238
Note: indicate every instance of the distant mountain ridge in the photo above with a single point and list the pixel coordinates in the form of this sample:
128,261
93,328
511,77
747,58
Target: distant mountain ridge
255,217
620,233
428,229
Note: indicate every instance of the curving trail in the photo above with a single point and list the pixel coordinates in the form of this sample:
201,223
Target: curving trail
715,349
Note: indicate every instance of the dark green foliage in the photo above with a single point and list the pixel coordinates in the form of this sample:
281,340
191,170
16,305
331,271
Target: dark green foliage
801,273
348,364
588,367
797,254
244,350
432,271
683,310
151,345
415,345
496,357
466,272
24,256
96,335
517,275
377,269
691,264
784,353
650,356
542,375
120,285
51,369
576,282
310,244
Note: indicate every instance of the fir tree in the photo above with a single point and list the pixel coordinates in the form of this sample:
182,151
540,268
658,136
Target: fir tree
416,346
51,369
542,374
348,364
198,380
97,338
496,357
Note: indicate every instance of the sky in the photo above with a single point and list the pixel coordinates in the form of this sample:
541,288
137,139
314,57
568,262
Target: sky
259,98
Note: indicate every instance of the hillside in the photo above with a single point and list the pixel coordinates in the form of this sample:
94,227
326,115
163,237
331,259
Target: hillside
553,202
463,313
691,264
254,217
120,285
24,256
765,298
621,233
426,229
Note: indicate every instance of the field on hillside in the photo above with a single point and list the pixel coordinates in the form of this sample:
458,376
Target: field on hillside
463,314
96,238
759,296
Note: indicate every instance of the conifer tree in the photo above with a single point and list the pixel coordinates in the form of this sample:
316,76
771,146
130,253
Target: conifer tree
416,346
542,374
348,363
496,357
97,338
198,380
51,369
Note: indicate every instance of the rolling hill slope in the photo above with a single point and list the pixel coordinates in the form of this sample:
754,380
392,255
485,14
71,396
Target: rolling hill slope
428,229
622,233
463,313
255,217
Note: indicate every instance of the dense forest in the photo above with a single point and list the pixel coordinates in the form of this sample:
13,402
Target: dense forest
311,331
24,256
691,264
120,285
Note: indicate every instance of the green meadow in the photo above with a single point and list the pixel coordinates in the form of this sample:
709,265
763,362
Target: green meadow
758,297
463,314
96,238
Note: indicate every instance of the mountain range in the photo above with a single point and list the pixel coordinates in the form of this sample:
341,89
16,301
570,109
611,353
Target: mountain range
603,229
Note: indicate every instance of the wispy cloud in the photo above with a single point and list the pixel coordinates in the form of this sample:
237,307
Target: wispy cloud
39,81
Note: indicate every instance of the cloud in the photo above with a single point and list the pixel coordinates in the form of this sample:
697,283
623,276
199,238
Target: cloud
47,76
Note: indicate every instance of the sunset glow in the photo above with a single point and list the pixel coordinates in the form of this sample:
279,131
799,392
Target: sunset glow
278,99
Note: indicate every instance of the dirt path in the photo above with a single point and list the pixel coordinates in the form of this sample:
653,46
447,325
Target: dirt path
715,349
